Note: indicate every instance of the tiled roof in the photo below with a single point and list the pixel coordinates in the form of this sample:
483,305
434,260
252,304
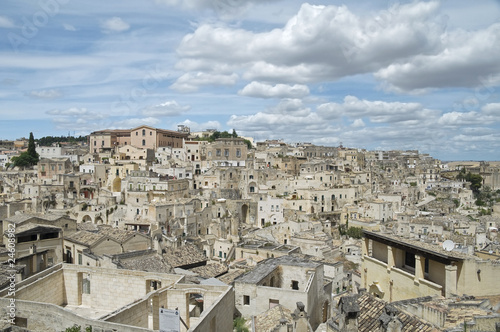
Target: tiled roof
210,270
84,237
119,235
268,320
229,277
374,312
31,226
185,255
148,262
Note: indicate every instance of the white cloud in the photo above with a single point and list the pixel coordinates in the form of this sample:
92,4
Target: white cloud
45,94
192,81
491,109
407,47
262,90
465,59
114,24
69,27
73,111
376,111
195,126
135,122
319,43
358,123
6,22
168,108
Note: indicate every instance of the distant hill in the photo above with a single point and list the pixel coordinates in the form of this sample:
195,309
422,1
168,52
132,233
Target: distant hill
49,140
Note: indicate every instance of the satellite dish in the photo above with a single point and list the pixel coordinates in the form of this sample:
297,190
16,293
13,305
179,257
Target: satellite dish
448,245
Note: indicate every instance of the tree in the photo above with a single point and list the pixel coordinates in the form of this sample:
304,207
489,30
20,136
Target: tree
476,182
239,325
32,149
28,158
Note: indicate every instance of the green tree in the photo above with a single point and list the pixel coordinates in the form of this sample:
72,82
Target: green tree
355,232
476,181
239,325
32,149
28,158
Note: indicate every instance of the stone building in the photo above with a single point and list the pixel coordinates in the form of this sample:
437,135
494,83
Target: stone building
284,280
116,300
396,269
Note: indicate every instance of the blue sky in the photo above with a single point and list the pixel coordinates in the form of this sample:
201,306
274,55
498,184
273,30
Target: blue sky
368,74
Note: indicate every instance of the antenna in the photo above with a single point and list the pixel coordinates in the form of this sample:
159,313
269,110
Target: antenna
448,245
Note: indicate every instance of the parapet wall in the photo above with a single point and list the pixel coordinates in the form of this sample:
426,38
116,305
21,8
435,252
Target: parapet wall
49,317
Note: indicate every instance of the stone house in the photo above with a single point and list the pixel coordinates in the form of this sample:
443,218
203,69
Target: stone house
394,268
284,280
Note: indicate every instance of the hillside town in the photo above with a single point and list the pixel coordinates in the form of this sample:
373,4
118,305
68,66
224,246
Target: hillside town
232,234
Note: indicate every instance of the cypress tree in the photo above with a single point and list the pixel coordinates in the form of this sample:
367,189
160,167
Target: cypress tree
32,150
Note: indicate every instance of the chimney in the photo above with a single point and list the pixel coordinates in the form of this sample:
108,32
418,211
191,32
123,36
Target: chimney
349,313
390,321
301,319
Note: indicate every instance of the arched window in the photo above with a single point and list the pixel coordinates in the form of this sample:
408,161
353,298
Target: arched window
144,132
143,142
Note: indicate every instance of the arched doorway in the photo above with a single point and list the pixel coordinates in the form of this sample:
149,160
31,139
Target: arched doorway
244,213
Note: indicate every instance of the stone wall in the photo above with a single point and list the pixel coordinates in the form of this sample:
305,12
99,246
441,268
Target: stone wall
110,289
47,286
136,314
49,317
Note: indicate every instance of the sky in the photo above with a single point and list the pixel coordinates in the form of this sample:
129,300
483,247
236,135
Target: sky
375,75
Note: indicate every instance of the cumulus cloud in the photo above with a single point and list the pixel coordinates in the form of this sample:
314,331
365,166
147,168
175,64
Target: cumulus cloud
72,111
6,22
466,59
319,43
45,94
77,117
195,126
135,122
114,24
262,90
168,108
358,123
376,111
191,82
407,47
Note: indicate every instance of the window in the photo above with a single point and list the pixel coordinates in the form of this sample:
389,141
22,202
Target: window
80,258
150,133
226,152
246,300
409,259
144,132
238,153
143,142
217,152
295,284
